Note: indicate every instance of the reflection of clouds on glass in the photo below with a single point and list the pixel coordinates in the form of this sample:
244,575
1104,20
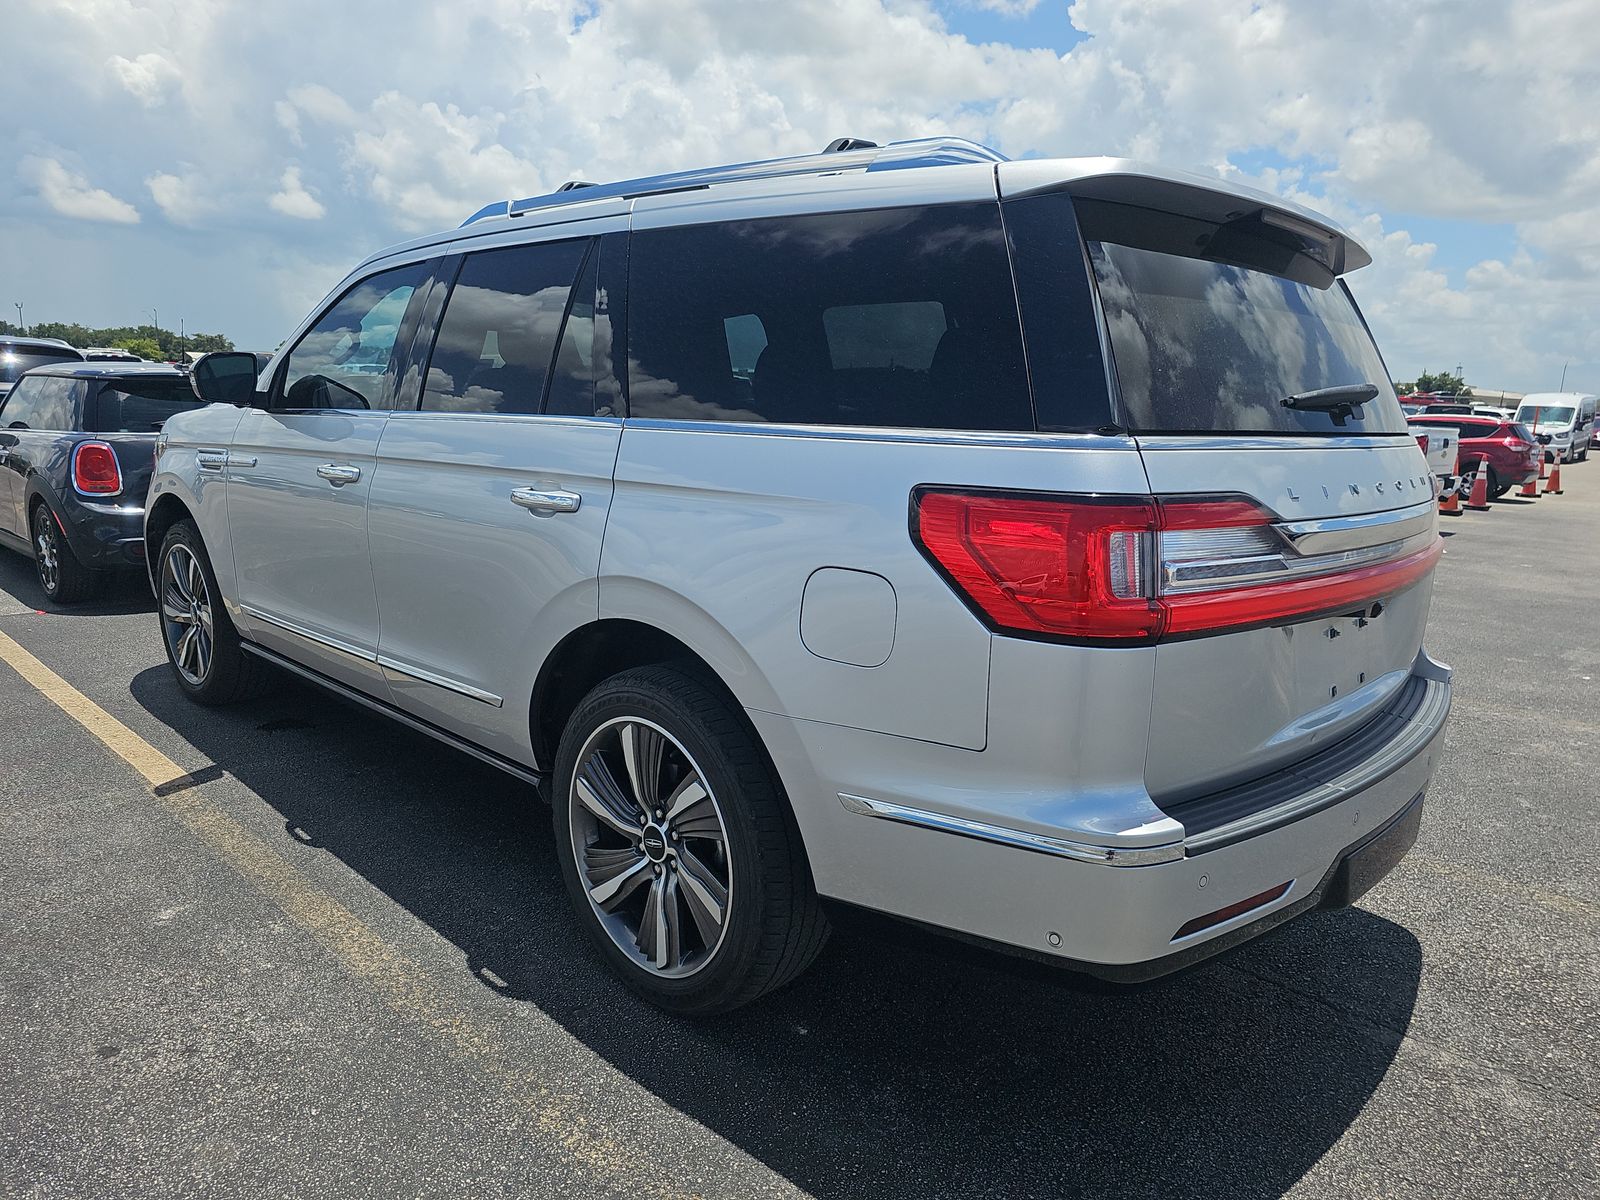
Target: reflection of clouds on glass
661,398
1205,345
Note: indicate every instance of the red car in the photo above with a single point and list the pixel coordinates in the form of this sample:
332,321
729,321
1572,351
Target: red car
1510,448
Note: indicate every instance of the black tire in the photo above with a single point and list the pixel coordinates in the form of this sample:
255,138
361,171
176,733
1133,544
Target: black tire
62,576
1496,488
228,674
773,925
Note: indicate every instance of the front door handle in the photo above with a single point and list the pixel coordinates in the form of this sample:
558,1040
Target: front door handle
546,500
339,475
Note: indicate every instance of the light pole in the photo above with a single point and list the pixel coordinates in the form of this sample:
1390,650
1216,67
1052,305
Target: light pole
1562,388
156,317
180,340
21,328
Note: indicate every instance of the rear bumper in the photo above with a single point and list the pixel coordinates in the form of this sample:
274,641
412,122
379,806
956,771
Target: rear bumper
105,535
1116,906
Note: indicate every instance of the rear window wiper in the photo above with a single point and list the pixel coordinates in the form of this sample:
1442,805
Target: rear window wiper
1338,402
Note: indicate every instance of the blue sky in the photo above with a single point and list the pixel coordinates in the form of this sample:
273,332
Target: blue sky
207,162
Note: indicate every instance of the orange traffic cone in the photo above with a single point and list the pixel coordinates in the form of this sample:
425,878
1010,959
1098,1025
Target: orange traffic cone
1544,466
1479,500
1552,485
1530,490
1450,502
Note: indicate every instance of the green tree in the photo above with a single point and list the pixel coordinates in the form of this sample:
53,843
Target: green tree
1441,381
166,343
142,346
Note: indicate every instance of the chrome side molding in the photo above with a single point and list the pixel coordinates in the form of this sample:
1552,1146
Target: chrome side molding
443,681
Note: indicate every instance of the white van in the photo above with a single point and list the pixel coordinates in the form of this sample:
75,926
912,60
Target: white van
1568,419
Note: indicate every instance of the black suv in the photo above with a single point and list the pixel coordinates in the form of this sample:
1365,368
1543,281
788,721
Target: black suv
77,445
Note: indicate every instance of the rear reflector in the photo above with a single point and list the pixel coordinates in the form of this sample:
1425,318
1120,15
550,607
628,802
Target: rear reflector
1126,571
95,471
1236,909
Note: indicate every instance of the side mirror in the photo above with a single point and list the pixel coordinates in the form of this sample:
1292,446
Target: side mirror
225,377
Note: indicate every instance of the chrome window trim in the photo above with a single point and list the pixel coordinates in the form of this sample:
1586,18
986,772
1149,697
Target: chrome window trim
890,433
443,681
1257,441
1113,856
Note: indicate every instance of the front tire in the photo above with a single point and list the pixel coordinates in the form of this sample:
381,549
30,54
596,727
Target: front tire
203,647
677,846
62,576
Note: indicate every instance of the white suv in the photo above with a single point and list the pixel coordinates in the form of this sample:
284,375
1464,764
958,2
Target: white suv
1034,550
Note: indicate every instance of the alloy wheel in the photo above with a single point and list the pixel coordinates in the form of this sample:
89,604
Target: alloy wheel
186,614
47,552
651,847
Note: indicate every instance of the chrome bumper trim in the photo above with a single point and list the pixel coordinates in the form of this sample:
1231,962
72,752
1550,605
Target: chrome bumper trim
1112,856
1424,726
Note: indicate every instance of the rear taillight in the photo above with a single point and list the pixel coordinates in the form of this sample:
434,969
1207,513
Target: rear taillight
1126,571
1422,442
1516,444
95,471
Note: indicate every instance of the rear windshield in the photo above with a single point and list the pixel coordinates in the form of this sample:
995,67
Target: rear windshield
142,405
1209,346
13,361
1545,416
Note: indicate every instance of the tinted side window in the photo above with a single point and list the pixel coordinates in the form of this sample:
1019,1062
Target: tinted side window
572,379
43,402
500,328
21,404
898,317
346,360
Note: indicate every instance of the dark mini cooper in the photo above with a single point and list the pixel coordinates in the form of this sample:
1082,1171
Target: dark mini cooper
77,444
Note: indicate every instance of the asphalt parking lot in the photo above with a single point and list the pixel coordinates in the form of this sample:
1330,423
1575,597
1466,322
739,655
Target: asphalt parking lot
291,949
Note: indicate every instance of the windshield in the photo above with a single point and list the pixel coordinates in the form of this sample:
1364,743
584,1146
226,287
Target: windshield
13,362
1545,416
1208,346
142,405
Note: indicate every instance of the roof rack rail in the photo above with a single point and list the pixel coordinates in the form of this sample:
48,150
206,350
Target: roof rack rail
842,154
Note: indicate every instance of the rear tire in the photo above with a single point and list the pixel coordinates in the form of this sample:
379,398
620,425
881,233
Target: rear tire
62,576
677,846
1496,488
203,647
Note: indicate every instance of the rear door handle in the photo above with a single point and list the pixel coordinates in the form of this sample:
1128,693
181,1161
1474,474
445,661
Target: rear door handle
546,500
339,475
211,460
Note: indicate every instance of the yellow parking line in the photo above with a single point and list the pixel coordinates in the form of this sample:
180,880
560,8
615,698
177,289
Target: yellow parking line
403,985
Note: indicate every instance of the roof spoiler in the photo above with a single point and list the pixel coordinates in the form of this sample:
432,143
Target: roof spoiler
842,154
1124,181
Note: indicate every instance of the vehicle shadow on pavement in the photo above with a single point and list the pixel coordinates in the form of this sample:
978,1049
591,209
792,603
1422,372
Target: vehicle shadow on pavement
122,593
898,1066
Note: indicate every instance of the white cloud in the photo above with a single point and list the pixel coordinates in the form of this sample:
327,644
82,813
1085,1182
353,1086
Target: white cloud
1474,111
180,198
71,195
149,77
1006,8
293,200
